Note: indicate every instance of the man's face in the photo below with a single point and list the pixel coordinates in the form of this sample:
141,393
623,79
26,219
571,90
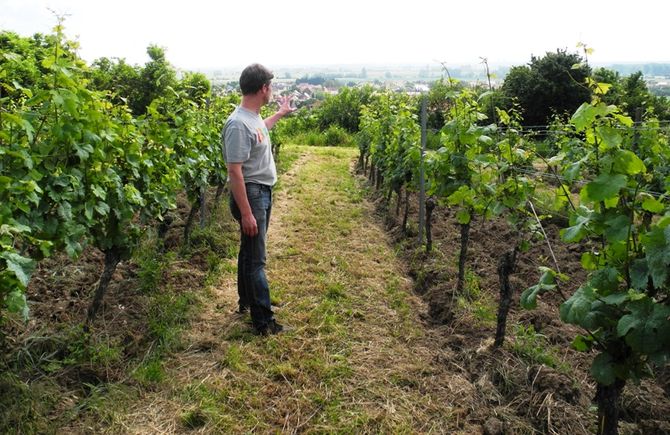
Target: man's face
267,92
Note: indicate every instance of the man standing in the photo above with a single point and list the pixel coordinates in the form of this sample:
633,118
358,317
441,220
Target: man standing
251,175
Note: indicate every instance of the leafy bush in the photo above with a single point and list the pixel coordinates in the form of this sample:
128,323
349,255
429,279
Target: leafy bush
336,136
314,138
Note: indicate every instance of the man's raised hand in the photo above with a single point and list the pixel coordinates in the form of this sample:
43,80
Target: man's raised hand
285,105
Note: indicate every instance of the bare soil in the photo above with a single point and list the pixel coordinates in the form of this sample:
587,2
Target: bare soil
46,354
516,394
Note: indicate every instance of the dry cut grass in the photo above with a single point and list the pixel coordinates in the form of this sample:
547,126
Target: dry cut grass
359,360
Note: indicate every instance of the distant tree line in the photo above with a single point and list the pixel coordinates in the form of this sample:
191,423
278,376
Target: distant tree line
548,89
650,69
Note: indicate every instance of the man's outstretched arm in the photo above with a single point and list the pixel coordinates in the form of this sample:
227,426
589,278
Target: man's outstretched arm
284,109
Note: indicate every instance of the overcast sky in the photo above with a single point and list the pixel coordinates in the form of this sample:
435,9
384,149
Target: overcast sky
220,34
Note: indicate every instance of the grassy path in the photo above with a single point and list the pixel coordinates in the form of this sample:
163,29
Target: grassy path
359,358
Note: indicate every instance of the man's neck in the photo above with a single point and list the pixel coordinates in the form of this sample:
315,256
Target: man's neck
252,103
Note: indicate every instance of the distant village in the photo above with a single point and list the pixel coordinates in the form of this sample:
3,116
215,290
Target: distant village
306,94
314,84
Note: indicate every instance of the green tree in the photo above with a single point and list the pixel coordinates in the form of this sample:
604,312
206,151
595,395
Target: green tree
155,79
547,86
440,98
22,60
117,77
138,86
632,93
344,109
196,86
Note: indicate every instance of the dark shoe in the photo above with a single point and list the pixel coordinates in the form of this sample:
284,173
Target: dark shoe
272,328
242,309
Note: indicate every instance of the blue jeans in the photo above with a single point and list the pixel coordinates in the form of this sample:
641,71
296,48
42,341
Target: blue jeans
252,285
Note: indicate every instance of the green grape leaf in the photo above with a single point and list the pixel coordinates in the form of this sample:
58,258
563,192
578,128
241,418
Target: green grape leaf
603,369
605,280
652,205
647,328
15,302
589,261
582,343
605,186
576,309
24,124
463,216
572,171
72,248
88,210
98,191
486,140
102,208
547,282
626,162
617,228
611,138
21,267
624,120
83,151
616,298
657,246
577,231
584,116
464,195
602,88
639,274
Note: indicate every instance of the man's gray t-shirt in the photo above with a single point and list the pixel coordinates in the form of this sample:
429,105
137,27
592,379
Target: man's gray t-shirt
246,140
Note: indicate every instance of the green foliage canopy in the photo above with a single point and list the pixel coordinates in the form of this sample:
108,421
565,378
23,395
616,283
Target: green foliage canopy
547,86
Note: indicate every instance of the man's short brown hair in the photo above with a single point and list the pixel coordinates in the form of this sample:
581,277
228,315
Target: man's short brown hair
254,77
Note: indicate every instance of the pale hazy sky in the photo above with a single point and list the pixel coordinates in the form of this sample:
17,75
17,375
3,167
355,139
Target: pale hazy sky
221,34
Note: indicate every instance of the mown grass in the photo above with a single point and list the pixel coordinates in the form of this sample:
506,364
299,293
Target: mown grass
342,292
